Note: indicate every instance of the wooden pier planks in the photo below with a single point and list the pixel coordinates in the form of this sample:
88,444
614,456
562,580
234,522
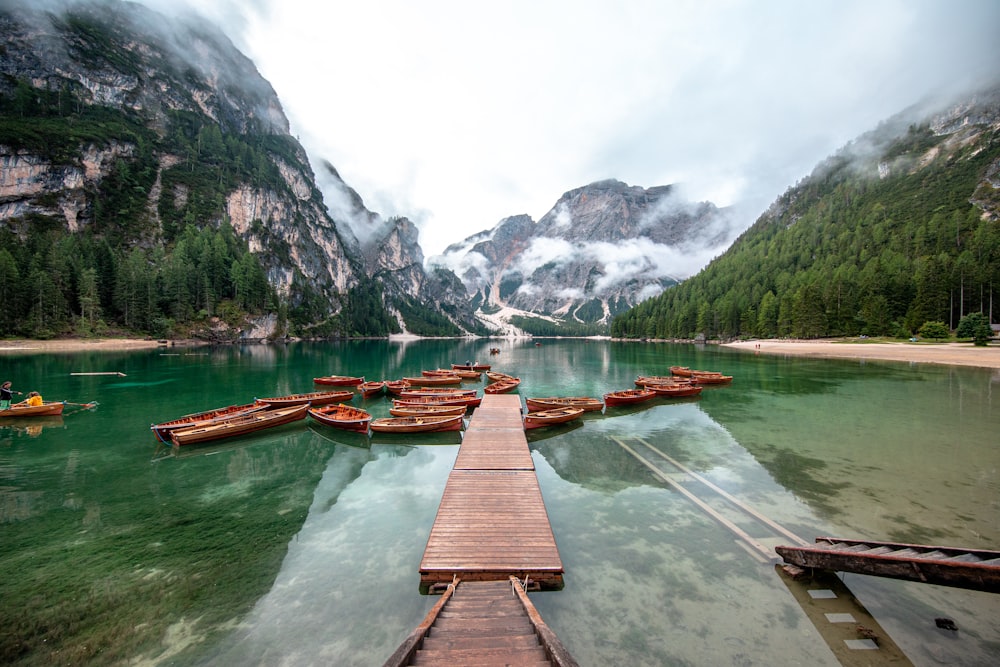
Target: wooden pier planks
492,521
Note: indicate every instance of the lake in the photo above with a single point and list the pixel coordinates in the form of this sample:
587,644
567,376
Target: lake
301,545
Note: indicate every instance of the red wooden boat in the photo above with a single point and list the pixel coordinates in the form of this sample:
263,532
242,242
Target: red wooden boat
339,380
471,367
394,387
435,391
434,381
502,386
587,403
467,401
312,398
372,388
46,409
675,390
163,429
342,416
425,410
628,396
644,380
497,376
710,378
465,375
551,417
250,422
423,424
682,371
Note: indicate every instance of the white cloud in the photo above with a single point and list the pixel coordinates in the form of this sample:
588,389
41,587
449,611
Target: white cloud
543,251
457,115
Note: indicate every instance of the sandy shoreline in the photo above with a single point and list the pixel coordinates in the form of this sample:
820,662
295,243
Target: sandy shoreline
955,354
85,345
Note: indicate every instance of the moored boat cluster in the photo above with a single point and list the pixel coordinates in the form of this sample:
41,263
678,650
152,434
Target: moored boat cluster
430,402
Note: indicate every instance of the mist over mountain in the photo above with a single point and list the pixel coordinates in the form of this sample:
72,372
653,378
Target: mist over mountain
898,229
602,248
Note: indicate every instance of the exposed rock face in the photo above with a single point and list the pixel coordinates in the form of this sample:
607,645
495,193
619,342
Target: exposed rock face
602,248
124,56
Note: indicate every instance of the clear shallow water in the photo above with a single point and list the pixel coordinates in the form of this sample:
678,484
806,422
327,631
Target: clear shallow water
301,545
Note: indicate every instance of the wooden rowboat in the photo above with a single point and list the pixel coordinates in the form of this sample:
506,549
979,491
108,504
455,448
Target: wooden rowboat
426,410
497,376
675,390
465,375
424,424
238,425
471,367
342,416
163,429
710,378
413,392
339,380
434,381
467,401
372,388
394,387
644,380
587,403
46,409
628,396
502,386
312,398
551,417
976,569
682,371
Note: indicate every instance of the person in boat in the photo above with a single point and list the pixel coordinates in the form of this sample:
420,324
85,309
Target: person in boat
34,399
6,394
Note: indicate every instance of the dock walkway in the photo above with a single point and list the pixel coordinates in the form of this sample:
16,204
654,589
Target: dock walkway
491,540
492,522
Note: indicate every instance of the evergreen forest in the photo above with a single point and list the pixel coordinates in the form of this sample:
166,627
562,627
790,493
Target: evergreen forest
129,271
867,245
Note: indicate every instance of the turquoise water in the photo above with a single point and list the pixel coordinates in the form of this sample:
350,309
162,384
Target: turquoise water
301,545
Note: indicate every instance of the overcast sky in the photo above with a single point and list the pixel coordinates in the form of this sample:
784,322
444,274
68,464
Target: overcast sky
458,114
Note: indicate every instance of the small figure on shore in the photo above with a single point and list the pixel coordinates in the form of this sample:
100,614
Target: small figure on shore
34,399
6,394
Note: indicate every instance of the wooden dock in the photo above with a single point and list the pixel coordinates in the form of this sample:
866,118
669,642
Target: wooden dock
492,523
482,623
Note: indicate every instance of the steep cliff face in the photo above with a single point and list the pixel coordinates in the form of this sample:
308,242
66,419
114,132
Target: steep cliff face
169,82
600,249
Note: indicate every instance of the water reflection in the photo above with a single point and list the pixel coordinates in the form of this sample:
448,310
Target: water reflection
349,572
211,556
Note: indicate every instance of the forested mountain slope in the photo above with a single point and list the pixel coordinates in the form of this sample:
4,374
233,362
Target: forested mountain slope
898,228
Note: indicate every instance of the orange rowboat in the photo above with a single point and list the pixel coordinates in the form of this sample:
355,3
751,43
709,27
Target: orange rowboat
675,390
587,403
426,410
465,375
371,388
238,425
339,380
312,398
467,401
471,367
423,424
710,378
394,387
434,380
502,386
163,429
551,417
628,396
342,416
46,409
435,391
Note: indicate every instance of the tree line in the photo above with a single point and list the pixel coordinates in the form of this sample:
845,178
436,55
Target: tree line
849,252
